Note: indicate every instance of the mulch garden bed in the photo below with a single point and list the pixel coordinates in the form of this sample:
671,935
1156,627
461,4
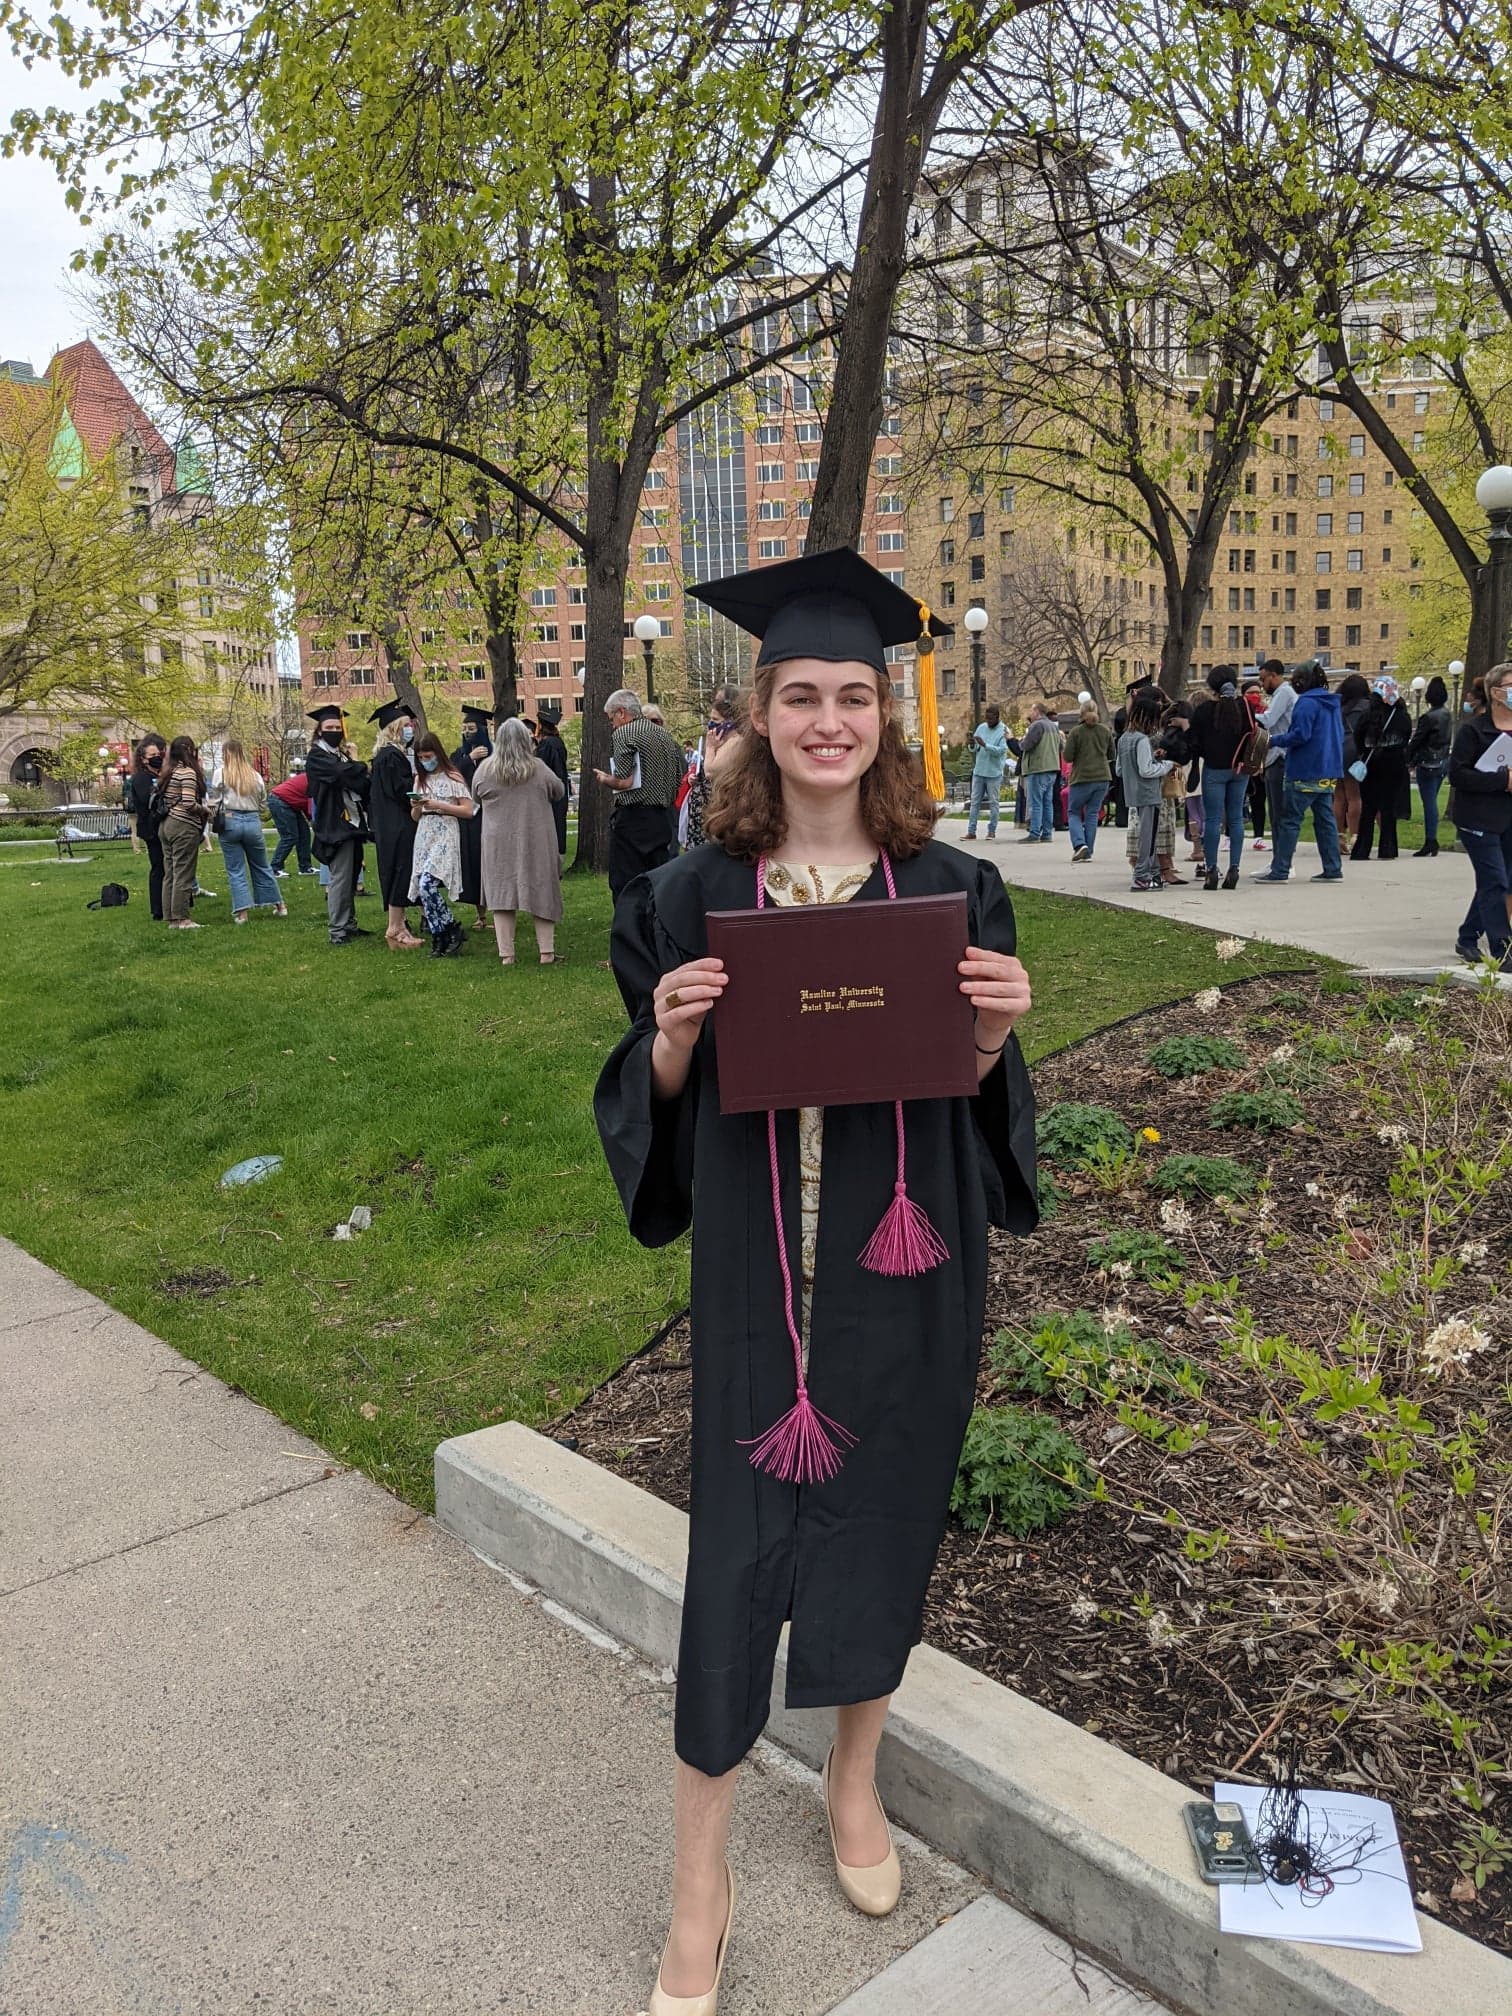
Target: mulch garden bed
1196,1612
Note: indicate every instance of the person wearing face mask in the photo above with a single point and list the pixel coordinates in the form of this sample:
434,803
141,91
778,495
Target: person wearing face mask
476,747
393,779
1480,806
339,794
146,764
1383,737
443,810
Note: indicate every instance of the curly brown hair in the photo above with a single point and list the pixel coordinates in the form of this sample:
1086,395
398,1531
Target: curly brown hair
746,815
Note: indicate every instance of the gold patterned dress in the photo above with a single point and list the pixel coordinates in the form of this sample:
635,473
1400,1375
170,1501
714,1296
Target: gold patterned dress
789,884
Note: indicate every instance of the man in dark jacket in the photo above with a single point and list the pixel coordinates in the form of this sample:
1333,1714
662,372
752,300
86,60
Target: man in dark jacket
338,796
1314,744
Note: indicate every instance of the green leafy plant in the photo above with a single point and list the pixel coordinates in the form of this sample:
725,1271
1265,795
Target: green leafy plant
1069,1133
1048,1191
1190,1056
1483,1853
1289,998
1198,1176
1018,1468
1266,1112
1144,1253
1078,1360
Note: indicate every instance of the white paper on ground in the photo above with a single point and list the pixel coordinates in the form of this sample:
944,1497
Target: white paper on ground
1498,756
1370,1907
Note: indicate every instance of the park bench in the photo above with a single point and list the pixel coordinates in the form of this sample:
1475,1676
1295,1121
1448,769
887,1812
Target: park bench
93,823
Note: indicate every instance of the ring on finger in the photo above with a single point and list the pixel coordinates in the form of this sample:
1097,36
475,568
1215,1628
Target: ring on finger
674,999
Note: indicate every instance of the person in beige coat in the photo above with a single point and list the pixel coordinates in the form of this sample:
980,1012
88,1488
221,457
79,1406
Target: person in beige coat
515,791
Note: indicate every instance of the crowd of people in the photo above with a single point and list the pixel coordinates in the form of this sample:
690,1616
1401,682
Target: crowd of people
1273,748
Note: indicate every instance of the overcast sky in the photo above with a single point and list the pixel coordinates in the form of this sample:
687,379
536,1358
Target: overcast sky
38,234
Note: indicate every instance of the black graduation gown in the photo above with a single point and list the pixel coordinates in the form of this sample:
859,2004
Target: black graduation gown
466,760
552,751
333,780
390,816
894,1360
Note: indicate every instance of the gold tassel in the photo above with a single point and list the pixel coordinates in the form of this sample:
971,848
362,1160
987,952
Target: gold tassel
929,712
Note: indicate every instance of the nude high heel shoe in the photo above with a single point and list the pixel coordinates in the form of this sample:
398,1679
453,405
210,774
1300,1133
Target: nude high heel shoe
663,2004
876,1890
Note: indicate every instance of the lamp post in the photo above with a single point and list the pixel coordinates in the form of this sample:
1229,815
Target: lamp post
1493,493
648,629
1456,670
976,623
1419,688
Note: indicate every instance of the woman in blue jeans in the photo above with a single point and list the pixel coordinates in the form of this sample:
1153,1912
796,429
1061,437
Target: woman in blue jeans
1480,805
244,800
1428,755
1219,729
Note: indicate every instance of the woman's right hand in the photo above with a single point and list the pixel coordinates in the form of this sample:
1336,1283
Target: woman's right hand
683,999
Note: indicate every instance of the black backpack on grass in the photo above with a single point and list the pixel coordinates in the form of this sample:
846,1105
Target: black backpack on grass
111,897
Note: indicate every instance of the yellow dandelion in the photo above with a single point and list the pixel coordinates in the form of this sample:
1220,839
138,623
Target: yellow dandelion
1150,1134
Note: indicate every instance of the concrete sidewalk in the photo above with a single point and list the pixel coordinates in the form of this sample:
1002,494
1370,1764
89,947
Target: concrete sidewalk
1385,916
272,1741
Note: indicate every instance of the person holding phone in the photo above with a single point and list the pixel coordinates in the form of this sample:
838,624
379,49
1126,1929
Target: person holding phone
831,1393
439,804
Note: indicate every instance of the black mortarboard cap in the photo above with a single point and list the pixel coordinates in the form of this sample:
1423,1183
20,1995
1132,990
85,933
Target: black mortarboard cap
391,711
325,713
480,717
831,605
546,712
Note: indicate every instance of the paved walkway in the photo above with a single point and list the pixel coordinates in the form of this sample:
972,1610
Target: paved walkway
1386,916
272,1741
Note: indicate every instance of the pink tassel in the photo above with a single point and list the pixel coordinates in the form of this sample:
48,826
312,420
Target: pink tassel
804,1447
905,1242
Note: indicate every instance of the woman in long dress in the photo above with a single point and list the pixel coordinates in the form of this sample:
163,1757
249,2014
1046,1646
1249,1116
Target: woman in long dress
390,817
516,795
442,809
823,1455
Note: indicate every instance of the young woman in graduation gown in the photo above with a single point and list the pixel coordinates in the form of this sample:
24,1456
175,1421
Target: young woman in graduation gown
818,1495
391,818
476,745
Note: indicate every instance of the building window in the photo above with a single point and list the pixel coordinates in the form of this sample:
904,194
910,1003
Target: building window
1355,522
326,675
666,625
889,465
1291,525
658,591
806,472
947,510
1291,560
577,633
947,681
947,594
357,640
579,670
1351,633
1352,597
1324,527
1357,483
1007,499
770,509
655,556
1420,402
1320,636
978,567
578,597
890,505
804,510
1205,637
1233,600
545,633
1289,635
947,552
1385,556
891,427
543,598
771,549
771,472
1323,563
768,436
976,525
895,575
1005,545
889,542
471,672
1357,445
1323,598
548,668
1325,409
1385,631
653,518
1289,598
811,430
577,704
1233,636
656,479
362,675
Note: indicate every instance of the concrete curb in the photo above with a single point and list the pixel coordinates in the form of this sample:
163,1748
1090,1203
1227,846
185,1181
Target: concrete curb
1087,1839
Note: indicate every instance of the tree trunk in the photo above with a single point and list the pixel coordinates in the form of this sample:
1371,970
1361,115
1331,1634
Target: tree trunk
504,667
396,651
892,177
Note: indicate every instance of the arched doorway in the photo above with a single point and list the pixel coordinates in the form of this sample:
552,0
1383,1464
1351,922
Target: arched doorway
26,768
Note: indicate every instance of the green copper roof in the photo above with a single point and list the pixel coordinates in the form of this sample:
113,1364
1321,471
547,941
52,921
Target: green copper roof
67,461
189,464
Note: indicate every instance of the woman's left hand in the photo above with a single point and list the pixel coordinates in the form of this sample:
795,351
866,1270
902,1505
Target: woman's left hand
998,989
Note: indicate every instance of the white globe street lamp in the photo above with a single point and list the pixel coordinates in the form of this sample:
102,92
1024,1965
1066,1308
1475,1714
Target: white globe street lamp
1493,491
976,623
648,629
1456,671
1084,699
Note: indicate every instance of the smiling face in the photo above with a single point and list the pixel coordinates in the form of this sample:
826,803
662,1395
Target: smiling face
824,723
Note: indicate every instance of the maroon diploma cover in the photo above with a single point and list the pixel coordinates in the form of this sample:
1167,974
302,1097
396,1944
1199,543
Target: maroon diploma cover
843,1004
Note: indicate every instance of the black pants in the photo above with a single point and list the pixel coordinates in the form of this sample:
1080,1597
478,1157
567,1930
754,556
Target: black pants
1380,798
154,848
640,837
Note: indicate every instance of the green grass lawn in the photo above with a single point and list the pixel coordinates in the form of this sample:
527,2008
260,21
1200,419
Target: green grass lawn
452,1097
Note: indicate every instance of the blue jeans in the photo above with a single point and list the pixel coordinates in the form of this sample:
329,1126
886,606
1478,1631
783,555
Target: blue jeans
1295,804
985,793
247,862
1491,857
1223,796
1430,778
1085,801
1040,785
293,835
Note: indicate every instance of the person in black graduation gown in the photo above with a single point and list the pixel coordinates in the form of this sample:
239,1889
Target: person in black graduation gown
824,778
391,816
552,751
477,742
338,818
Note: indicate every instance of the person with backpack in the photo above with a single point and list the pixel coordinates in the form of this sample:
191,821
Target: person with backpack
1428,755
179,803
141,788
1224,735
1039,766
1313,749
1382,769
